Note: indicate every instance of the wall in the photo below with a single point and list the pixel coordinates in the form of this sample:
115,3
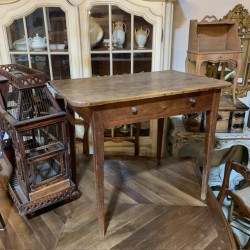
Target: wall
184,11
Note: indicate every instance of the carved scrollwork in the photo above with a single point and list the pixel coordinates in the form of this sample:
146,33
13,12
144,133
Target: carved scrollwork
241,15
240,92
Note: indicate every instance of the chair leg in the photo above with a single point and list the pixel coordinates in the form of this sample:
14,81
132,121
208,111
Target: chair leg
137,137
2,223
230,211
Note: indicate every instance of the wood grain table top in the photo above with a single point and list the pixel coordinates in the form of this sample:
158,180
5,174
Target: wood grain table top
85,92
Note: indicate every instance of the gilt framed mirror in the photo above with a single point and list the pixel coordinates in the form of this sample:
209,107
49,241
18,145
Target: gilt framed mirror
241,15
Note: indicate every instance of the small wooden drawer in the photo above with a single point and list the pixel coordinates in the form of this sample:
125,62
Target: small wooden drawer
137,111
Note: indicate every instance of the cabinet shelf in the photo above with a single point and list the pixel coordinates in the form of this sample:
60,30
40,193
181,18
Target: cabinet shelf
121,59
121,51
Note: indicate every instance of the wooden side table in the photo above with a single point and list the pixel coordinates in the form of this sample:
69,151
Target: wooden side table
110,101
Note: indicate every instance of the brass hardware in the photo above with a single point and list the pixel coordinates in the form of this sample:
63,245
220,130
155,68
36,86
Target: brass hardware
134,110
192,102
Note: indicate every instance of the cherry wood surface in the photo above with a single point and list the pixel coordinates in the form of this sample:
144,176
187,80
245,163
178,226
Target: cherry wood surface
105,102
147,206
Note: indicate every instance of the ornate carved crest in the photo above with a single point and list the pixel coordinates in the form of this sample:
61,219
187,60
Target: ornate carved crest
242,16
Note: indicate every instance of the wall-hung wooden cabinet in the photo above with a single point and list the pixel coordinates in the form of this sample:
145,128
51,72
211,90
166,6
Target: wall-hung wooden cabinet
86,38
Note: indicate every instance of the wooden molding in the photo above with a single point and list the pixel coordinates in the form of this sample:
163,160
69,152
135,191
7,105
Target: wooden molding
8,1
75,2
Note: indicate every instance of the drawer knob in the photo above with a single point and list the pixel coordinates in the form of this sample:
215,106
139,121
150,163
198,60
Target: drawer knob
192,101
134,110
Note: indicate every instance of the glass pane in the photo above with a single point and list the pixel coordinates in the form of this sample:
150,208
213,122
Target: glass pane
57,28
41,63
143,33
99,27
122,131
121,22
36,30
16,36
142,62
60,67
121,64
21,59
100,64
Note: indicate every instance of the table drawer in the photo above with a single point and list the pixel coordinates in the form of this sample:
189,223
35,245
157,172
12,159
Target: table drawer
135,111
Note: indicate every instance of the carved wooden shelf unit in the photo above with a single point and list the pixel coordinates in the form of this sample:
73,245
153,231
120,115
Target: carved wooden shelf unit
213,40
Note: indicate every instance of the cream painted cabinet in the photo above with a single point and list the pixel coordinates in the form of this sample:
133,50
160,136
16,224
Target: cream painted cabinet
86,38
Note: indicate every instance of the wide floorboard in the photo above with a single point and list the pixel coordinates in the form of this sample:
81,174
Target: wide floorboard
147,207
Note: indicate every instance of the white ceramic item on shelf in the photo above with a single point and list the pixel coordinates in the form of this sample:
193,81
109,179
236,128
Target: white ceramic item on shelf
52,46
38,43
20,44
95,32
118,37
141,36
60,46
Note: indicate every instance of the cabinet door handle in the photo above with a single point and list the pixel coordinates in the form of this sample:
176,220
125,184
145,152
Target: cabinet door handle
192,101
134,110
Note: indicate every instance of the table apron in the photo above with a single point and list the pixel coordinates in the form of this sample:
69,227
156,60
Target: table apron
155,108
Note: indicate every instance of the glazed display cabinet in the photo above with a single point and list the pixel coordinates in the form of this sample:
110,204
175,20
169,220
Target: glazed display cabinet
86,38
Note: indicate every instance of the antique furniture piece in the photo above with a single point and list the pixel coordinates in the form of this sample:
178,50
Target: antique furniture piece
36,127
241,15
78,33
178,138
214,41
141,97
230,118
239,212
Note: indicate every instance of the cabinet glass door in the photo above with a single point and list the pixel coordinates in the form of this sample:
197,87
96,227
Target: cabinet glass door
121,43
39,40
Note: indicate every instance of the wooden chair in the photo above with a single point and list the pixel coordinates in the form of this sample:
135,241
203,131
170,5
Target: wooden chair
239,211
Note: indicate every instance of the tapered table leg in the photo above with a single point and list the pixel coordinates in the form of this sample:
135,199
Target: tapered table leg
98,161
211,119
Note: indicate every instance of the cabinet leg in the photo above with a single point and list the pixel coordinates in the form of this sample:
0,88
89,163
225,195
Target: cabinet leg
198,68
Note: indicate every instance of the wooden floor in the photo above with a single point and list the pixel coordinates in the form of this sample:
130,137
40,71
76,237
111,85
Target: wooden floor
148,207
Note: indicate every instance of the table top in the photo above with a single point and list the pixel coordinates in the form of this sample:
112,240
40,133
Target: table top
85,92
